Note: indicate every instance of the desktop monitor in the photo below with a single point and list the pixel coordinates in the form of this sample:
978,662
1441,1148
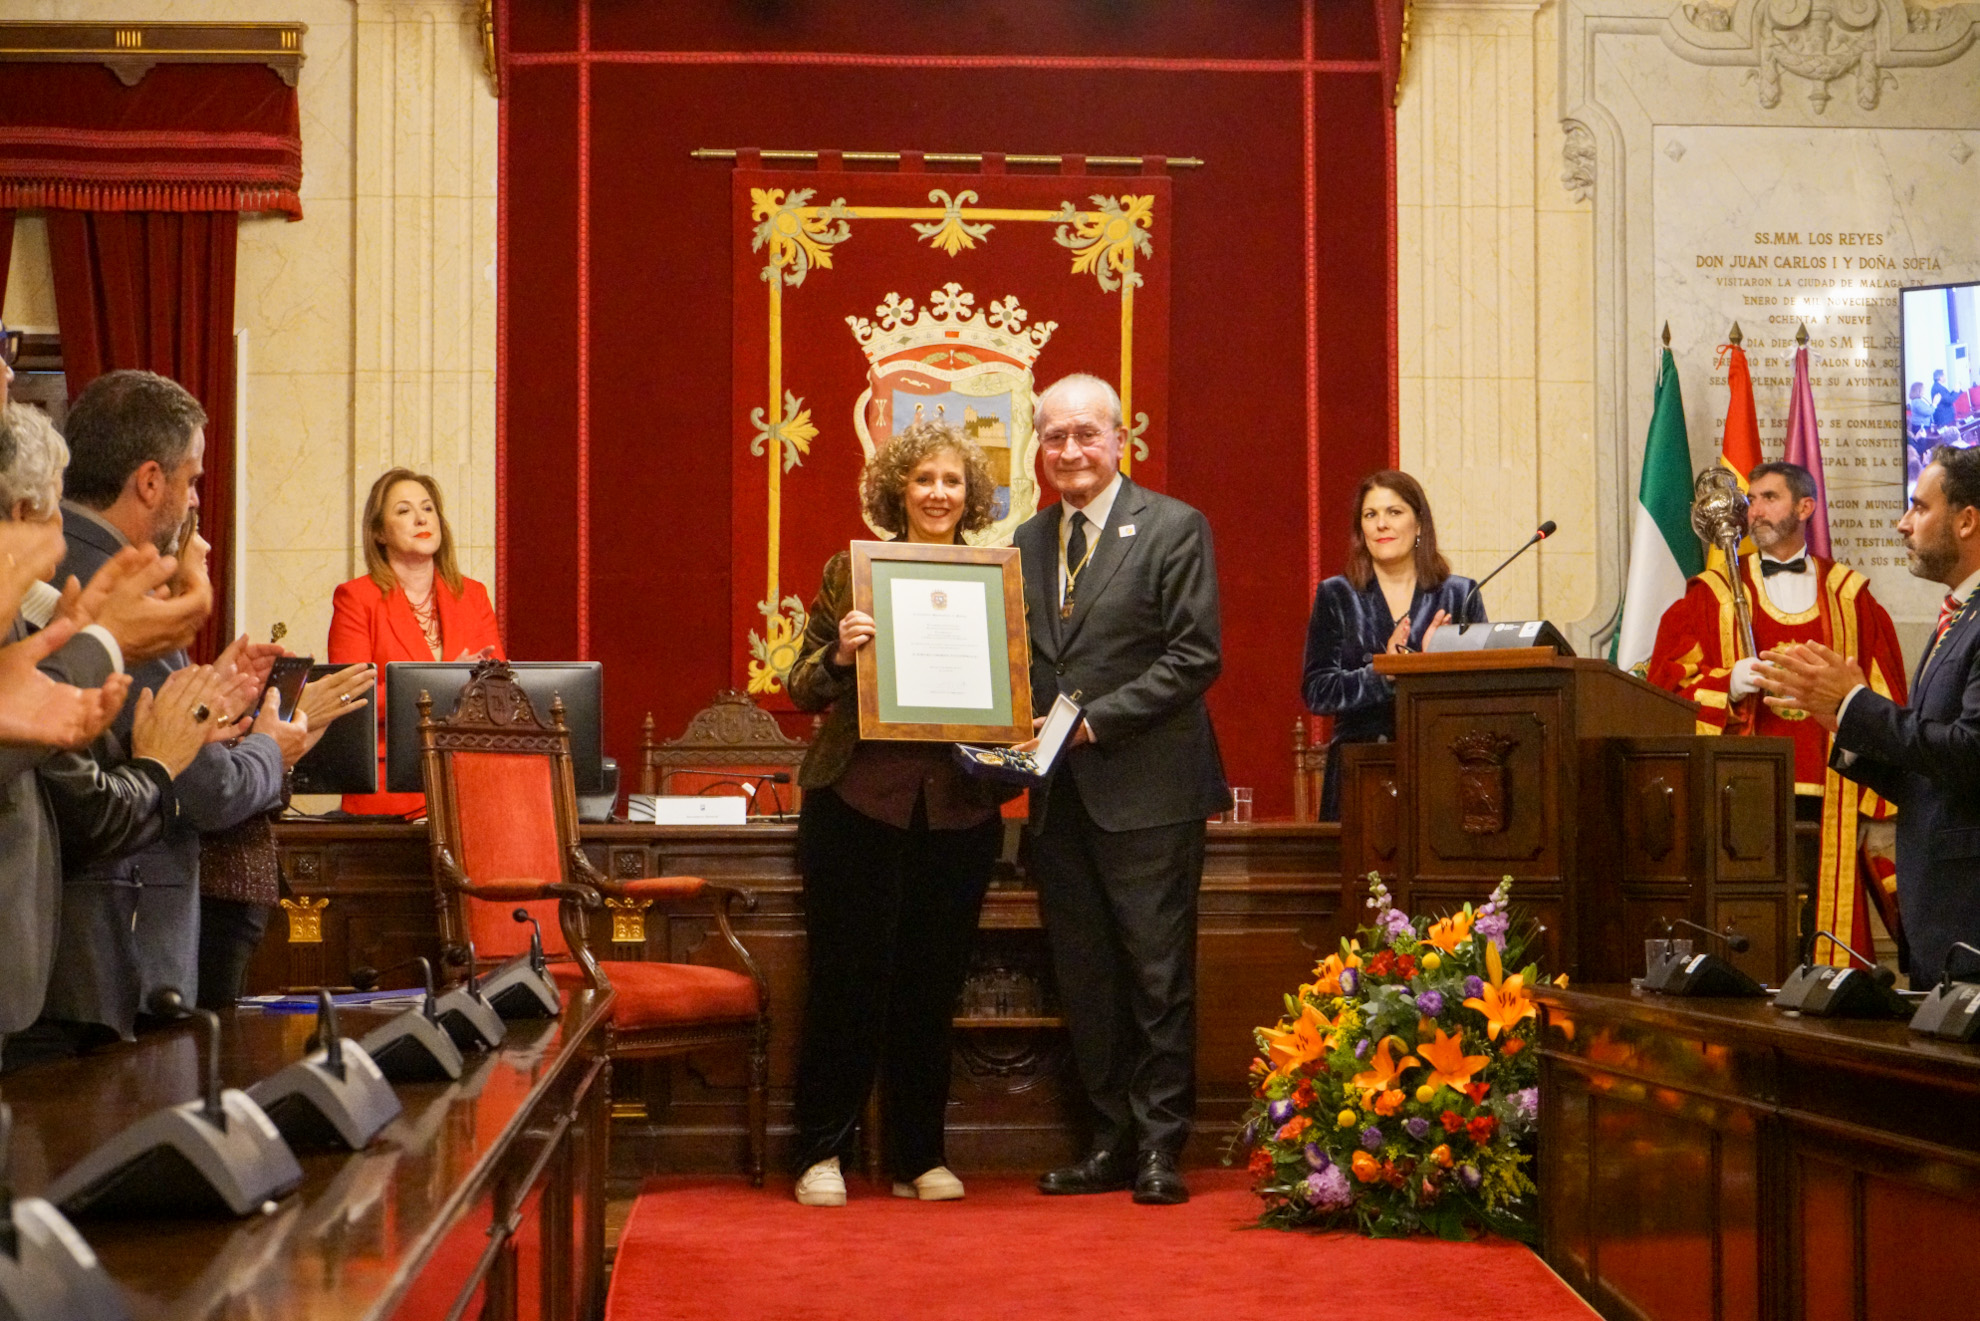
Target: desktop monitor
580,683
345,759
1940,389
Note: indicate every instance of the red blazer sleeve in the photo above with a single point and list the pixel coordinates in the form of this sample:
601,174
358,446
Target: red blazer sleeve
475,622
354,611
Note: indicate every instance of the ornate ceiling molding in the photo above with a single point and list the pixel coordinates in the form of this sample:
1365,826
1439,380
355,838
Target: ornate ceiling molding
1821,42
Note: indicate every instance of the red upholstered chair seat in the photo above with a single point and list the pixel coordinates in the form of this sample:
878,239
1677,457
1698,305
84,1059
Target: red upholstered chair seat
654,995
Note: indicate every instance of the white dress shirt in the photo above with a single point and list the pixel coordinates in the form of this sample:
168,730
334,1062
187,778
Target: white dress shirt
1790,594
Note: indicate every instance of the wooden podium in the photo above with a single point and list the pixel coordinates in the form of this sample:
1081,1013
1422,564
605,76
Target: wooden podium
1587,785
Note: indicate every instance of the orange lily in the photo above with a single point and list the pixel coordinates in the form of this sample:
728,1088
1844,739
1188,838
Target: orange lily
1448,1062
1505,1002
1450,932
1306,1040
1385,1071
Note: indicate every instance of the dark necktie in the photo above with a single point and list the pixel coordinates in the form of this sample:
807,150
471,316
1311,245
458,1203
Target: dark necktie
1768,568
1075,558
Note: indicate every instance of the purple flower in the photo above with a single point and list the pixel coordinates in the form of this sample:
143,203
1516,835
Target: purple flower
1430,1003
1350,980
1397,924
1527,1099
1317,1158
1417,1127
1362,1047
1470,1176
1474,987
1249,1137
1371,1137
1280,1111
1491,926
1329,1189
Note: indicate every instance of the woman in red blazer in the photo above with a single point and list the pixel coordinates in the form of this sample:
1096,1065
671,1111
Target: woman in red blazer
412,605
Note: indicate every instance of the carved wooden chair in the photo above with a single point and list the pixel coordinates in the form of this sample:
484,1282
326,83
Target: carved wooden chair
502,826
731,746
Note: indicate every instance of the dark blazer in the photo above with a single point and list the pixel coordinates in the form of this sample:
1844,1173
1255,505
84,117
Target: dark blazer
56,804
1142,647
1348,628
818,683
104,969
1925,757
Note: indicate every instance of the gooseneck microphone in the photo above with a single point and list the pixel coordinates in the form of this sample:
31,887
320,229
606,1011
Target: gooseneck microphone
1737,943
1945,971
1878,973
1540,534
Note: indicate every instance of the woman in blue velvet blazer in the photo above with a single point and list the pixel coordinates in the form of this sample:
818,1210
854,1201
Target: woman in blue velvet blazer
1396,589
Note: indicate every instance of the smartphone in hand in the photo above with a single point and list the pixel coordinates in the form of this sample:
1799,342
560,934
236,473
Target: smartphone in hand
287,678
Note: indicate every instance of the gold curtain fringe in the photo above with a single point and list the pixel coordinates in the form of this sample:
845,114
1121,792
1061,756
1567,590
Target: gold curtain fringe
940,158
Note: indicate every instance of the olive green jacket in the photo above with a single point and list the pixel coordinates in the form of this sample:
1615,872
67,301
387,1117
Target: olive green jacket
817,681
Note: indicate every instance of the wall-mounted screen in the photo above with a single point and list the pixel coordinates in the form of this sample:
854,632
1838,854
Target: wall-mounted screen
1941,383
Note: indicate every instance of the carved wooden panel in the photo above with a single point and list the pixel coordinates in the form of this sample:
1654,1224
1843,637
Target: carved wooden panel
1487,782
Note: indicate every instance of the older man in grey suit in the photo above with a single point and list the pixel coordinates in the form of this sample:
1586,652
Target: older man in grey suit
51,799
1120,588
130,926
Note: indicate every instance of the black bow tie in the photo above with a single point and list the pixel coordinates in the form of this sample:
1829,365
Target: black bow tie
1768,568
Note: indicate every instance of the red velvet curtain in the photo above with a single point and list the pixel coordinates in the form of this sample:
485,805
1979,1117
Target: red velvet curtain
155,290
6,250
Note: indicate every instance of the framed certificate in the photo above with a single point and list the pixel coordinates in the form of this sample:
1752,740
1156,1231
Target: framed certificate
950,659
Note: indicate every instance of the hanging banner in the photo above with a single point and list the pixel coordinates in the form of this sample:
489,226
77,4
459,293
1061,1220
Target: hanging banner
864,301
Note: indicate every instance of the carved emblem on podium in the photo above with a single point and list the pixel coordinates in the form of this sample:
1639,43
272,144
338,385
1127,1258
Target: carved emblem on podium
1482,789
305,919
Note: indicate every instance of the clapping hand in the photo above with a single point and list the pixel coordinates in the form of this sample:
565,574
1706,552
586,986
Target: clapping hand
171,726
36,710
30,550
1807,676
124,596
291,735
333,697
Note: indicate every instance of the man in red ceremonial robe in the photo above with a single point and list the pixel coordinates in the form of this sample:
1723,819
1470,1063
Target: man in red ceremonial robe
1795,596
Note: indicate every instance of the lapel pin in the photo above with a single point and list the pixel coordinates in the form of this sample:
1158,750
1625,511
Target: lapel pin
1127,529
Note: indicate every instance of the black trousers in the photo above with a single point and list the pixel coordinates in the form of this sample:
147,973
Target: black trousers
890,916
1120,915
229,933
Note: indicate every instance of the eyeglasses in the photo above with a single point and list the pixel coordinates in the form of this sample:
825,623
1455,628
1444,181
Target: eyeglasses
1084,437
10,345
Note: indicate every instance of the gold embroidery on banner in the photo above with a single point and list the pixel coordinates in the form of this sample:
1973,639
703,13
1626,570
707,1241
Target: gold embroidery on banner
798,237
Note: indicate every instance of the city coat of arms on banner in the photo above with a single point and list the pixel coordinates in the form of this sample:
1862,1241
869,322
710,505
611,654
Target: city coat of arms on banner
865,299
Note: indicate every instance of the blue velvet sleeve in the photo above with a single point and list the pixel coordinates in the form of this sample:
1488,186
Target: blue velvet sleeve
1337,678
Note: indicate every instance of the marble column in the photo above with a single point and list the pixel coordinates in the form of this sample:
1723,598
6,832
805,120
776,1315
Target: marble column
1492,303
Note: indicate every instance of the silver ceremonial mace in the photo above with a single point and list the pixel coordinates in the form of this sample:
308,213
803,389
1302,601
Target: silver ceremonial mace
1719,516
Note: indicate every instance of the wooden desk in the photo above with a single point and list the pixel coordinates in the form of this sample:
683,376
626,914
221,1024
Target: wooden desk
485,1198
1720,1159
1268,912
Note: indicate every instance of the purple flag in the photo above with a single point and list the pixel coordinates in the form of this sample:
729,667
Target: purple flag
1804,446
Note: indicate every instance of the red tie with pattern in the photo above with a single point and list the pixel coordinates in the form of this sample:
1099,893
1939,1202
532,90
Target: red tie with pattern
1947,610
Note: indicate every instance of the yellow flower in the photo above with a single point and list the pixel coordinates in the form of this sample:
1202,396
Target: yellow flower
1432,961
1385,1071
1449,1065
1505,1002
1448,933
1345,1119
1424,1093
1302,1043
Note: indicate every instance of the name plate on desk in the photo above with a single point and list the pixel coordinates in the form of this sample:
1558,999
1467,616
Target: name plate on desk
687,809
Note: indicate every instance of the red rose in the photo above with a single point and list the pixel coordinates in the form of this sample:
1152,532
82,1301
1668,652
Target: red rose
1303,1096
1481,1129
1478,1091
1406,966
1261,1162
1382,964
1452,1121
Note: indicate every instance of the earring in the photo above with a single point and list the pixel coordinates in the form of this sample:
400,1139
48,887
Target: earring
1419,538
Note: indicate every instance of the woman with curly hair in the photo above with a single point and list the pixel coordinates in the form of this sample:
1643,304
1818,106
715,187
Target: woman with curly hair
896,847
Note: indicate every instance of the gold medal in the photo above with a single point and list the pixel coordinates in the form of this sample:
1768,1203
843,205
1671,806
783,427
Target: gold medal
1065,611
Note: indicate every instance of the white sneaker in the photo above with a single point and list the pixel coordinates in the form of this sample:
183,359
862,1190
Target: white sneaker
937,1185
822,1185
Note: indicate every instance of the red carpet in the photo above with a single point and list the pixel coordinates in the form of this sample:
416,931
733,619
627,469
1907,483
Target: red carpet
699,1248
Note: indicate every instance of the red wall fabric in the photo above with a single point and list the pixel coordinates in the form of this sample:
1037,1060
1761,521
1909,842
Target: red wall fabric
155,290
616,383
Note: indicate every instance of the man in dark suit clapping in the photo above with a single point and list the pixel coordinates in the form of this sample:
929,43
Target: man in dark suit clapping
1120,588
1925,756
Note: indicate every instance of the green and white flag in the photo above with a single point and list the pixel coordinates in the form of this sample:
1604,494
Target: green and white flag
1663,550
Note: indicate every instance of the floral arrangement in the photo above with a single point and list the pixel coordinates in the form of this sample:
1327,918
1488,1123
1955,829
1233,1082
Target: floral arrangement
1399,1093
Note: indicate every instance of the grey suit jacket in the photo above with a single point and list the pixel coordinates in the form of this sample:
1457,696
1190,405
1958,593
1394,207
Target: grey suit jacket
1142,647
106,968
56,804
1925,757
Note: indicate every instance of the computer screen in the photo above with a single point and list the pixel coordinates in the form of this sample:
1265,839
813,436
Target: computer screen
1941,391
580,683
345,759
